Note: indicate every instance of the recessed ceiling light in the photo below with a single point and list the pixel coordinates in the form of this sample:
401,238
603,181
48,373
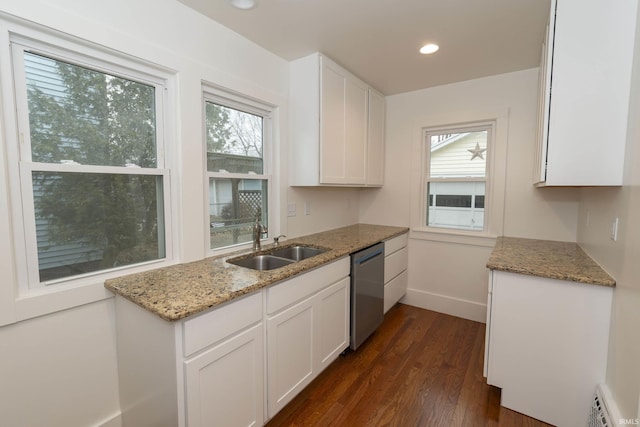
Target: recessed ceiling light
429,48
243,4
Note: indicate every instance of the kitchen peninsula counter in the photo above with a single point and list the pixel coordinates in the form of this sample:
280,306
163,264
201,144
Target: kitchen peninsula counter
546,258
182,290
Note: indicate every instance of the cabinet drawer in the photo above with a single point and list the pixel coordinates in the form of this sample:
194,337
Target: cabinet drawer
395,244
395,264
286,293
211,327
394,290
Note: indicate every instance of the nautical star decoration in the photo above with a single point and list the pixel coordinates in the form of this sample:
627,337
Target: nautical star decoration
477,152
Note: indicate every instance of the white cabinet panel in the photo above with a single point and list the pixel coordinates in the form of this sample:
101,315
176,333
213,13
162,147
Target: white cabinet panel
375,139
586,95
224,385
396,262
337,126
307,329
333,322
395,289
548,343
210,327
290,352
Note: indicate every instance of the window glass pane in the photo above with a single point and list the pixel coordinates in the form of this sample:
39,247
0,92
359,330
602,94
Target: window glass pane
450,205
458,155
78,115
234,140
92,222
233,204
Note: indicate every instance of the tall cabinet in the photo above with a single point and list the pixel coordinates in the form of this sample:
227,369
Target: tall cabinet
337,126
585,83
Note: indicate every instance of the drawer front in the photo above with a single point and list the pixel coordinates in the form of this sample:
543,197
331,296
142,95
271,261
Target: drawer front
395,244
288,292
395,264
211,327
394,290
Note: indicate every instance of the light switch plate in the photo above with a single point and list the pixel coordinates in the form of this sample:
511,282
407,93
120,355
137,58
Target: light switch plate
614,229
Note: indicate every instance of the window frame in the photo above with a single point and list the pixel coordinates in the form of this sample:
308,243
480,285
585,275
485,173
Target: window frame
78,52
426,179
226,98
496,183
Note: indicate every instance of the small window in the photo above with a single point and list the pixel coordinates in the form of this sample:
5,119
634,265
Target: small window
455,177
93,183
237,136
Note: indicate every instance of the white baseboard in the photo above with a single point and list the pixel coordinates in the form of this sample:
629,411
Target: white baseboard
446,304
113,421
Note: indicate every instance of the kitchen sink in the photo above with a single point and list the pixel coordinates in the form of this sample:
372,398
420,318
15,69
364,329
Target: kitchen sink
277,257
262,262
297,253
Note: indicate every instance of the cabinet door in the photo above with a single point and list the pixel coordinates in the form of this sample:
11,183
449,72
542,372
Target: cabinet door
589,93
333,322
290,336
375,139
225,385
332,125
343,126
356,101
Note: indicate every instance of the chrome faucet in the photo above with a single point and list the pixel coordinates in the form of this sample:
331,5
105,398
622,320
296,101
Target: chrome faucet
258,230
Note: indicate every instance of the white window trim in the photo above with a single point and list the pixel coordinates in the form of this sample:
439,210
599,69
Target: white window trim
495,182
20,299
227,98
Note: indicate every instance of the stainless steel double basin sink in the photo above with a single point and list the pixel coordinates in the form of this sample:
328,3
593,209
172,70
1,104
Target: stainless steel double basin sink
276,257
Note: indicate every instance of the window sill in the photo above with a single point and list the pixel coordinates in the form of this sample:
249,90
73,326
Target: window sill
454,236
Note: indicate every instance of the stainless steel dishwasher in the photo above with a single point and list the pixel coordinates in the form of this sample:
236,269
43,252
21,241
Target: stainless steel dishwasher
367,293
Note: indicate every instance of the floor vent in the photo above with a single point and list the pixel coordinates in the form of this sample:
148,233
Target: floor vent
599,415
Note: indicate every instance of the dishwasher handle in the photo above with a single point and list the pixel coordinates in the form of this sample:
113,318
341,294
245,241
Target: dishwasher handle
369,257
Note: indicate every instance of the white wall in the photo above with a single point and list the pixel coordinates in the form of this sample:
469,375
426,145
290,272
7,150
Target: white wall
328,208
60,369
451,277
598,208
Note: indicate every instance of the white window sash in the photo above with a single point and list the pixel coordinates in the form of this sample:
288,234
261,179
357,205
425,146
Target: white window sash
426,179
95,59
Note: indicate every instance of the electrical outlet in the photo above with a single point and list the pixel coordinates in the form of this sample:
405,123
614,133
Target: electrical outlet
291,209
614,229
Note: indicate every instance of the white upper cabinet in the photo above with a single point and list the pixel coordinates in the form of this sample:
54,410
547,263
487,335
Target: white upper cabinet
375,149
337,126
585,84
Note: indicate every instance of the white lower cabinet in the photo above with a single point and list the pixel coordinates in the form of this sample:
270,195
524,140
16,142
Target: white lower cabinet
396,261
209,369
546,345
224,384
307,329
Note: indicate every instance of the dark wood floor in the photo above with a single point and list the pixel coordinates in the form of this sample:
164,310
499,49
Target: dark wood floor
420,368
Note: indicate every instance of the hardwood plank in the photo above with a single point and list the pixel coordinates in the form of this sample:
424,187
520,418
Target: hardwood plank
420,368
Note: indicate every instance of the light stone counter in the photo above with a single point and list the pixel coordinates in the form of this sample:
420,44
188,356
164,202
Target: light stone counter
545,258
182,290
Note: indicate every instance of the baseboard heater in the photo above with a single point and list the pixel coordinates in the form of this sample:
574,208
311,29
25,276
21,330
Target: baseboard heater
604,411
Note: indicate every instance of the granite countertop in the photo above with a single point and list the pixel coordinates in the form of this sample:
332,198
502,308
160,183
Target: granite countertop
546,258
182,290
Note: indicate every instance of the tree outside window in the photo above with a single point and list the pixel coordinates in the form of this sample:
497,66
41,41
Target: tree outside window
97,191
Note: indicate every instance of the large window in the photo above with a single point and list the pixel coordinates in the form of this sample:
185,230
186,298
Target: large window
93,183
455,177
237,139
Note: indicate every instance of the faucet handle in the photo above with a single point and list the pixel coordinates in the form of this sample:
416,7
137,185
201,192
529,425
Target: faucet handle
276,240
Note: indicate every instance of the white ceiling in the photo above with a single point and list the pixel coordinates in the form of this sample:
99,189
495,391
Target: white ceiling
378,40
